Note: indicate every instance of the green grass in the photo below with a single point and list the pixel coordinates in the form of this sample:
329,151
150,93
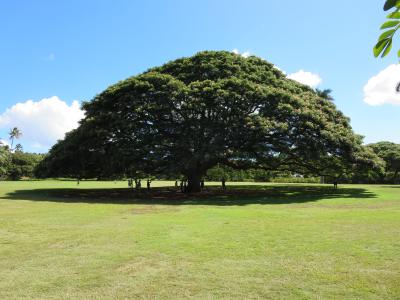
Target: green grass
268,241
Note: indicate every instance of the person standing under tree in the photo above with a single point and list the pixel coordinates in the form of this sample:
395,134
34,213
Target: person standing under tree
185,186
138,183
148,184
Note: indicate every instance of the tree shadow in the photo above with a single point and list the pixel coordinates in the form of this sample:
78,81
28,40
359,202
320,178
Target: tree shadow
233,196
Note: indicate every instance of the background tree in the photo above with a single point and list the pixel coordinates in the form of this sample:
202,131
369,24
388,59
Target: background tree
18,148
14,133
385,40
325,94
390,153
22,164
214,108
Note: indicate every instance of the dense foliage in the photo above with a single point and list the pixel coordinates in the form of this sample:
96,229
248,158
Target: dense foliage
23,164
390,154
257,175
215,108
18,164
4,161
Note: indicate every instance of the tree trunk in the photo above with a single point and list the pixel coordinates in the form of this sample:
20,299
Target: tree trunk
395,176
194,183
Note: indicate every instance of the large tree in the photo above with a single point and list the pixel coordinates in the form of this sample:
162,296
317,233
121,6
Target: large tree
193,113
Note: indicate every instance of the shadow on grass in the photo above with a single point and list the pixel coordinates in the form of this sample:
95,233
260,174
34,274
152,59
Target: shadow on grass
234,195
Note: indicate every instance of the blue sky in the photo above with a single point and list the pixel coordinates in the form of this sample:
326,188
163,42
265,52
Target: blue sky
72,50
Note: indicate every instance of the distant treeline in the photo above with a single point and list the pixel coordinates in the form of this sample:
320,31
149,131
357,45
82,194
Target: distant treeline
258,175
388,152
15,165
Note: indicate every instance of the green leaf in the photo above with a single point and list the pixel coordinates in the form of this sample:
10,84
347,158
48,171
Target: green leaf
389,4
394,15
398,54
387,48
389,24
386,34
380,46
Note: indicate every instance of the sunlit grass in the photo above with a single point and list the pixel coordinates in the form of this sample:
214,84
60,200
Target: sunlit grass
279,241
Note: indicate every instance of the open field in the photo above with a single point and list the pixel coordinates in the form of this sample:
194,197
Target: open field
263,241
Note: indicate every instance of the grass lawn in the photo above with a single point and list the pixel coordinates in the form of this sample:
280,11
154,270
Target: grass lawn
62,241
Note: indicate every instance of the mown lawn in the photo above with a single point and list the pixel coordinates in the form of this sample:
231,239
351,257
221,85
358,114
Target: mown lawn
260,241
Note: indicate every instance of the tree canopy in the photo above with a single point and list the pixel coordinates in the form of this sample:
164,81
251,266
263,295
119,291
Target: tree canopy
193,113
390,153
4,160
326,94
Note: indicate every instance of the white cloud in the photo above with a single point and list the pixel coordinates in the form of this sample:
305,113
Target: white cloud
42,122
307,78
381,88
304,77
244,54
4,143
